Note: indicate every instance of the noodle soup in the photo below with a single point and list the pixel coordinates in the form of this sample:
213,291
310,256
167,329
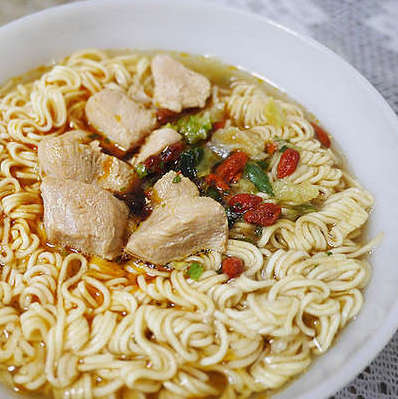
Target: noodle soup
171,227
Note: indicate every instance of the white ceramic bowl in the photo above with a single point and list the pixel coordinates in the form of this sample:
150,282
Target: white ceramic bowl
348,106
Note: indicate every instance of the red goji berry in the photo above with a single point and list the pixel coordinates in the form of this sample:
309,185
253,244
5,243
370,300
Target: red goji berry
217,182
288,163
321,135
218,125
265,214
232,267
241,203
153,164
271,148
164,115
231,169
172,152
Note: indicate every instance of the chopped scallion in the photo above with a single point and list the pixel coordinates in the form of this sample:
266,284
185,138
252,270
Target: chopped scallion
195,270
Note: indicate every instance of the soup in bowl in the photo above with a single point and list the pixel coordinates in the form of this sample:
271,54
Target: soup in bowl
172,227
175,227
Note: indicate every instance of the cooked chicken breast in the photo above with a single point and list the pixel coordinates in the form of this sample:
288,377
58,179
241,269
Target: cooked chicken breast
156,142
120,119
64,157
115,175
173,185
177,87
84,217
180,227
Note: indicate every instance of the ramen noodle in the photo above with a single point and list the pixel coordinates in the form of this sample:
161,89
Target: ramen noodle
79,326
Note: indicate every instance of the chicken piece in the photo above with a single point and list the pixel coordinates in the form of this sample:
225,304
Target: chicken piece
170,186
115,175
156,142
177,87
81,136
64,157
84,217
178,228
120,119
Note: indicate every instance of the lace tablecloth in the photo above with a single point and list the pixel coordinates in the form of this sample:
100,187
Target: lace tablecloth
365,33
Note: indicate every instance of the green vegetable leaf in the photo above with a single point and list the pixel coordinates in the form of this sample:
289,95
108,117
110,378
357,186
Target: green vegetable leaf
329,253
258,177
294,212
195,271
258,231
244,186
305,208
285,144
141,170
188,161
213,193
194,128
208,161
281,141
232,217
298,194
263,164
247,239
177,179
283,148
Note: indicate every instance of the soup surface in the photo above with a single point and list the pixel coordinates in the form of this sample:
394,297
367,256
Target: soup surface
169,231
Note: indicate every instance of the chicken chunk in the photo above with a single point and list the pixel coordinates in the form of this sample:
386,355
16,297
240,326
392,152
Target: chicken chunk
120,119
177,87
64,157
115,175
169,186
180,227
156,142
84,217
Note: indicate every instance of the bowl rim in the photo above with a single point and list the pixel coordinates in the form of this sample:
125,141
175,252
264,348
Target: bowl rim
363,356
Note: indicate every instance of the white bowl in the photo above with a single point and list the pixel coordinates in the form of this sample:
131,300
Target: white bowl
347,105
